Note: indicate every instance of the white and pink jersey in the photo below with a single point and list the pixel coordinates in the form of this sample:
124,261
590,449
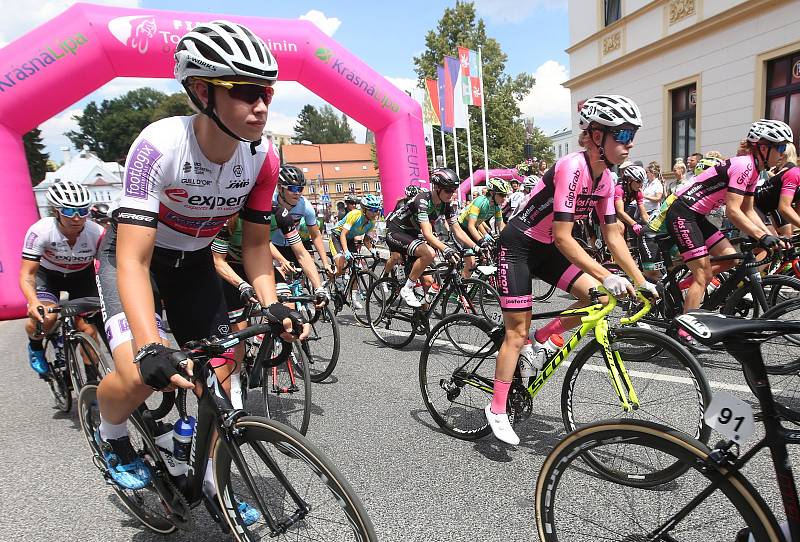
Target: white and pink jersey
44,243
566,193
708,190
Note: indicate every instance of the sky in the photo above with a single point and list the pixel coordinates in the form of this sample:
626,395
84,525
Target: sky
532,33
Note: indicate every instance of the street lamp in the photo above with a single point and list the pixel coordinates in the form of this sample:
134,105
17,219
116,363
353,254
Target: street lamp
321,176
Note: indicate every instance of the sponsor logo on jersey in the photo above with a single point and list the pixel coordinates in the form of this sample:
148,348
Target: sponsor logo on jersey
140,167
178,195
200,169
238,170
746,174
187,167
30,242
237,184
134,216
573,185
189,181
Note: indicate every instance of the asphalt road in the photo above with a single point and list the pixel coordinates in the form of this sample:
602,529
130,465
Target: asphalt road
416,482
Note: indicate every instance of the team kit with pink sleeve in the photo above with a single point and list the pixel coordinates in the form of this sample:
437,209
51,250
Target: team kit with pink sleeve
171,186
567,192
686,219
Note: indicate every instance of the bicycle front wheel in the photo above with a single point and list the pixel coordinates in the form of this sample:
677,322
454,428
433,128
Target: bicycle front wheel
456,374
777,288
671,389
322,346
60,380
574,504
299,492
390,319
360,282
286,390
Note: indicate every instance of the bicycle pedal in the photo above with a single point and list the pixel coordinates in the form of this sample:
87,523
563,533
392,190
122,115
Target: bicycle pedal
212,507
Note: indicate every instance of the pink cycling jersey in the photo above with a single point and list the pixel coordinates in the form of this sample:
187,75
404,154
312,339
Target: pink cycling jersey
619,195
565,194
708,190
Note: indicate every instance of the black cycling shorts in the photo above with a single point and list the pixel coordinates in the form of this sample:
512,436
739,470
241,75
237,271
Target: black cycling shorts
187,282
691,231
50,284
520,258
401,241
649,252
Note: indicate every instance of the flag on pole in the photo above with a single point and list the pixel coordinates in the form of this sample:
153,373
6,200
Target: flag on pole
470,77
430,108
421,96
442,86
452,77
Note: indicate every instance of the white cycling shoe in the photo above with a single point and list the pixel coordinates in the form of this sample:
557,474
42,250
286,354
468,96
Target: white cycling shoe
501,427
409,297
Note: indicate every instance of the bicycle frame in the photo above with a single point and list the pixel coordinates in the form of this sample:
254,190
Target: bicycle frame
594,318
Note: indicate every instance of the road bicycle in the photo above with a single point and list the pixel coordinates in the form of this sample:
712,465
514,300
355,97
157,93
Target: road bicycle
350,288
709,498
74,357
395,324
457,363
296,489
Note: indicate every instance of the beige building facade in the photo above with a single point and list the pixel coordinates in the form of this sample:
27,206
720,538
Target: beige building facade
700,70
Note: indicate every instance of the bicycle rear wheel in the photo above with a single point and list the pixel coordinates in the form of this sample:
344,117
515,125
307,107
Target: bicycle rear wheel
574,504
481,294
777,288
89,362
541,290
322,346
300,488
286,391
144,504
361,282
671,389
456,374
390,319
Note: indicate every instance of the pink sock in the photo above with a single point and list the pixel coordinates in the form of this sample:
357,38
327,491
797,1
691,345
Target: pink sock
555,327
500,396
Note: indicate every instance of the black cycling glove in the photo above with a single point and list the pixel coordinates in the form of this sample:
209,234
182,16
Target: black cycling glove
768,241
278,312
157,363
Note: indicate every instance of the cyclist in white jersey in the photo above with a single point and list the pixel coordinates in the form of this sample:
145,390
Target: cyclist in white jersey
185,176
58,256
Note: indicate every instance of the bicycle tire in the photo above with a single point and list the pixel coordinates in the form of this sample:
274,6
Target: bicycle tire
775,287
335,512
361,281
87,346
668,387
454,404
59,380
89,417
385,308
567,492
484,299
287,396
322,362
542,294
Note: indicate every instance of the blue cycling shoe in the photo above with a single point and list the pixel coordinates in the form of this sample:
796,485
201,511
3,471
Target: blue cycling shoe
248,513
125,467
38,362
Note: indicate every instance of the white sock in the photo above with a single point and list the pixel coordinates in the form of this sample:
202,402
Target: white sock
209,487
410,284
236,391
112,430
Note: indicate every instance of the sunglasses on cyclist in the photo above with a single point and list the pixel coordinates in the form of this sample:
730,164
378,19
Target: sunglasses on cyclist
781,148
243,91
374,209
69,212
294,189
448,190
623,135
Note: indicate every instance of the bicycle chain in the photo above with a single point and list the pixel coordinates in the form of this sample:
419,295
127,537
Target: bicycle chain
180,511
520,402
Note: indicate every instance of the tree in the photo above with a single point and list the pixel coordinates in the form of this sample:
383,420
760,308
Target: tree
502,92
37,159
172,105
322,125
110,128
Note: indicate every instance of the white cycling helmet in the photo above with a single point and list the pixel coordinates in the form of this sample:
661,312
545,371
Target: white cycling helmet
223,49
634,173
609,110
69,194
773,131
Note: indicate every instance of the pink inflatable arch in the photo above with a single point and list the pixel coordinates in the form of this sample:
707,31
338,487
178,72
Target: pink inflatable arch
480,177
60,62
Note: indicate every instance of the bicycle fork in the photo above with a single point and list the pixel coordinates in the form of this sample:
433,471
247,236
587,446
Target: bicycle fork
620,379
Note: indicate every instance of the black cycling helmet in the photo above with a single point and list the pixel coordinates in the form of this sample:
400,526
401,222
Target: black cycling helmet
352,198
445,178
291,176
99,211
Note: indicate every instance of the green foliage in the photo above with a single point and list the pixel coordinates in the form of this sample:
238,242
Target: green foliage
322,126
34,153
108,129
502,92
542,145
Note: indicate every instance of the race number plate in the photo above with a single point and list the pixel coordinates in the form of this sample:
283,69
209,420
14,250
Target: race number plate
730,416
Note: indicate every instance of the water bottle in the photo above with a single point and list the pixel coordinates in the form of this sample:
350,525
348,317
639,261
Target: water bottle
553,344
526,356
165,444
182,438
433,291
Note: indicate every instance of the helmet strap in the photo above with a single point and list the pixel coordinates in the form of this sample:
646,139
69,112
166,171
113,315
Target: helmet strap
762,162
603,151
209,111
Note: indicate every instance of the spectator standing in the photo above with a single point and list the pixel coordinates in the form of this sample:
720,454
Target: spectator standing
681,179
653,191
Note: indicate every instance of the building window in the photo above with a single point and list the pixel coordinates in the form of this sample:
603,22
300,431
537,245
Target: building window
352,188
364,168
783,91
612,11
311,189
559,151
566,148
325,188
684,102
365,187
377,186
338,188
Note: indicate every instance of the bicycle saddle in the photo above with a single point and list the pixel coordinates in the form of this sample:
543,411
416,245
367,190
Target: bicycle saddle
74,307
711,328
